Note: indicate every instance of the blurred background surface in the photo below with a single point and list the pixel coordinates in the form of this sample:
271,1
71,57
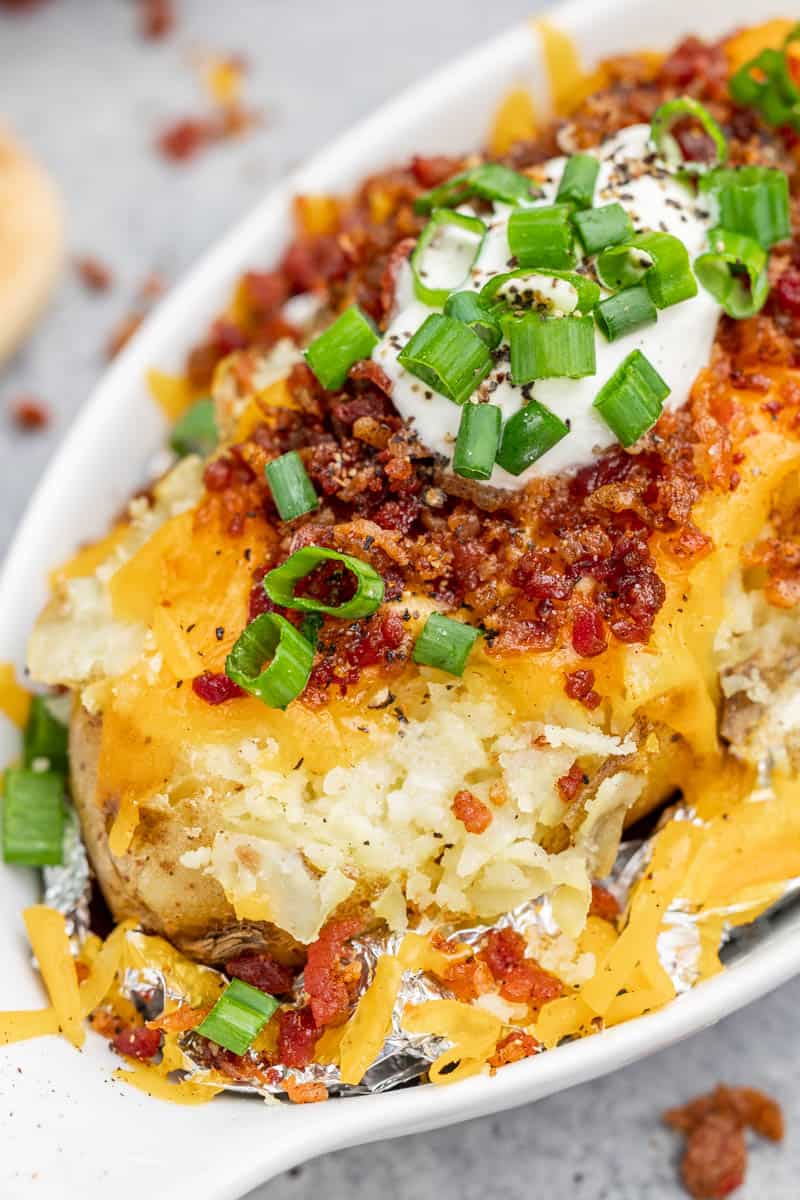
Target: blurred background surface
92,96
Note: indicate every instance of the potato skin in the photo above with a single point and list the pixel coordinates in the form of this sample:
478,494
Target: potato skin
149,883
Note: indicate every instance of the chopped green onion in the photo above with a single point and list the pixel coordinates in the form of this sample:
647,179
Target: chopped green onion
753,201
721,273
542,237
310,627
281,582
33,817
472,310
601,227
528,435
238,1017
292,490
351,337
749,85
477,441
577,182
562,292
196,431
630,402
667,116
445,253
554,348
767,84
448,356
45,737
445,644
625,312
489,181
271,636
658,260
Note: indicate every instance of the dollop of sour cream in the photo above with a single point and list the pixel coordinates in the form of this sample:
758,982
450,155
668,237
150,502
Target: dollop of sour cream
678,345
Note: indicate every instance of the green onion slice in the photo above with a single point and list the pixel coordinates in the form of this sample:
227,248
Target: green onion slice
444,643
767,84
667,116
351,337
554,348
445,254
45,737
472,310
196,431
578,181
238,1017
33,817
292,490
281,582
448,356
488,181
563,292
658,260
631,401
625,312
542,237
735,273
601,227
271,636
528,435
477,441
753,201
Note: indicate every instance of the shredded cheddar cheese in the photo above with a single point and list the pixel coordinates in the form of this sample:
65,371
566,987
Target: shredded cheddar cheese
514,121
14,700
172,393
47,933
368,1027
473,1032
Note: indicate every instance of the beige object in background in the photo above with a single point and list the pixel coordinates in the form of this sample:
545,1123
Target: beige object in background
31,241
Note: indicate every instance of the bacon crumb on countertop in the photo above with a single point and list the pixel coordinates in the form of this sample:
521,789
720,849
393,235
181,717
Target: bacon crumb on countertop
29,413
94,274
715,1159
156,18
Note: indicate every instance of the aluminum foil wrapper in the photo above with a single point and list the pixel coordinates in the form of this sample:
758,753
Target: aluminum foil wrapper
404,1057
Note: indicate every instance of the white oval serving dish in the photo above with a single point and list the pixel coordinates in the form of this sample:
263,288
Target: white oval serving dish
66,1127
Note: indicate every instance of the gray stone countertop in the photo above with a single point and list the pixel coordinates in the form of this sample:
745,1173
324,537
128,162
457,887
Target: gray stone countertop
89,96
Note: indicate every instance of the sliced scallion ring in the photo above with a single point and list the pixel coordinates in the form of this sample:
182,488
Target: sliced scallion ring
527,435
445,644
551,348
667,116
271,636
471,309
722,272
753,201
292,490
477,441
196,431
578,181
767,84
488,181
542,237
625,312
448,356
631,401
445,254
601,227
33,817
658,260
238,1017
351,337
281,582
563,292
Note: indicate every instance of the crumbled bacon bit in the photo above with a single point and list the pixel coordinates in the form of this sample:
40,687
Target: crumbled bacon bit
786,291
331,972
184,139
81,970
472,812
93,273
305,1093
604,904
515,1046
261,971
588,633
570,785
468,979
715,1159
215,688
122,333
157,18
29,413
521,979
297,1036
579,685
430,171
138,1041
